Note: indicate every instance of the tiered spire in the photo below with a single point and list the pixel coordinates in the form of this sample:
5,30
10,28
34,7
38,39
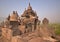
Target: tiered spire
29,7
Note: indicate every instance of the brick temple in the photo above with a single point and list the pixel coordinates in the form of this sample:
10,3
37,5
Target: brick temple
26,27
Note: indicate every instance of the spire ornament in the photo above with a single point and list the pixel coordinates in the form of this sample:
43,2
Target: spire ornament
29,6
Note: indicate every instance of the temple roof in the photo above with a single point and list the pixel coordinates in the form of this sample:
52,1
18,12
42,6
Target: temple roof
14,16
28,11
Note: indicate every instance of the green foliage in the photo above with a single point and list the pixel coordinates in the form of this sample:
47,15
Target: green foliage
57,28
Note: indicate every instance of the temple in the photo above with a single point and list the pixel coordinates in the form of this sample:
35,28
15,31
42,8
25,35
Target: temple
28,25
28,21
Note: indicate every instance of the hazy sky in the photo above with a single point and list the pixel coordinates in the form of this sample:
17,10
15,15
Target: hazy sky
44,8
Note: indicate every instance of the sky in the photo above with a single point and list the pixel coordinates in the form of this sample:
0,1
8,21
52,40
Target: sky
44,8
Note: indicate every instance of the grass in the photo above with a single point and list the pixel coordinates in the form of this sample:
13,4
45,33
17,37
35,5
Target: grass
57,28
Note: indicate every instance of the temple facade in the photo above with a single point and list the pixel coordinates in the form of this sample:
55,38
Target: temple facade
28,23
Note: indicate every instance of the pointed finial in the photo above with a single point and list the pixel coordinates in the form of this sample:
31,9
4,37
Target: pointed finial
25,8
13,12
8,17
29,6
29,2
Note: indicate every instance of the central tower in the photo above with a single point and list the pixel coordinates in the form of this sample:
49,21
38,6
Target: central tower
29,18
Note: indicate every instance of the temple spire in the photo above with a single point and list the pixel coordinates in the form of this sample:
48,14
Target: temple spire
29,1
29,6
